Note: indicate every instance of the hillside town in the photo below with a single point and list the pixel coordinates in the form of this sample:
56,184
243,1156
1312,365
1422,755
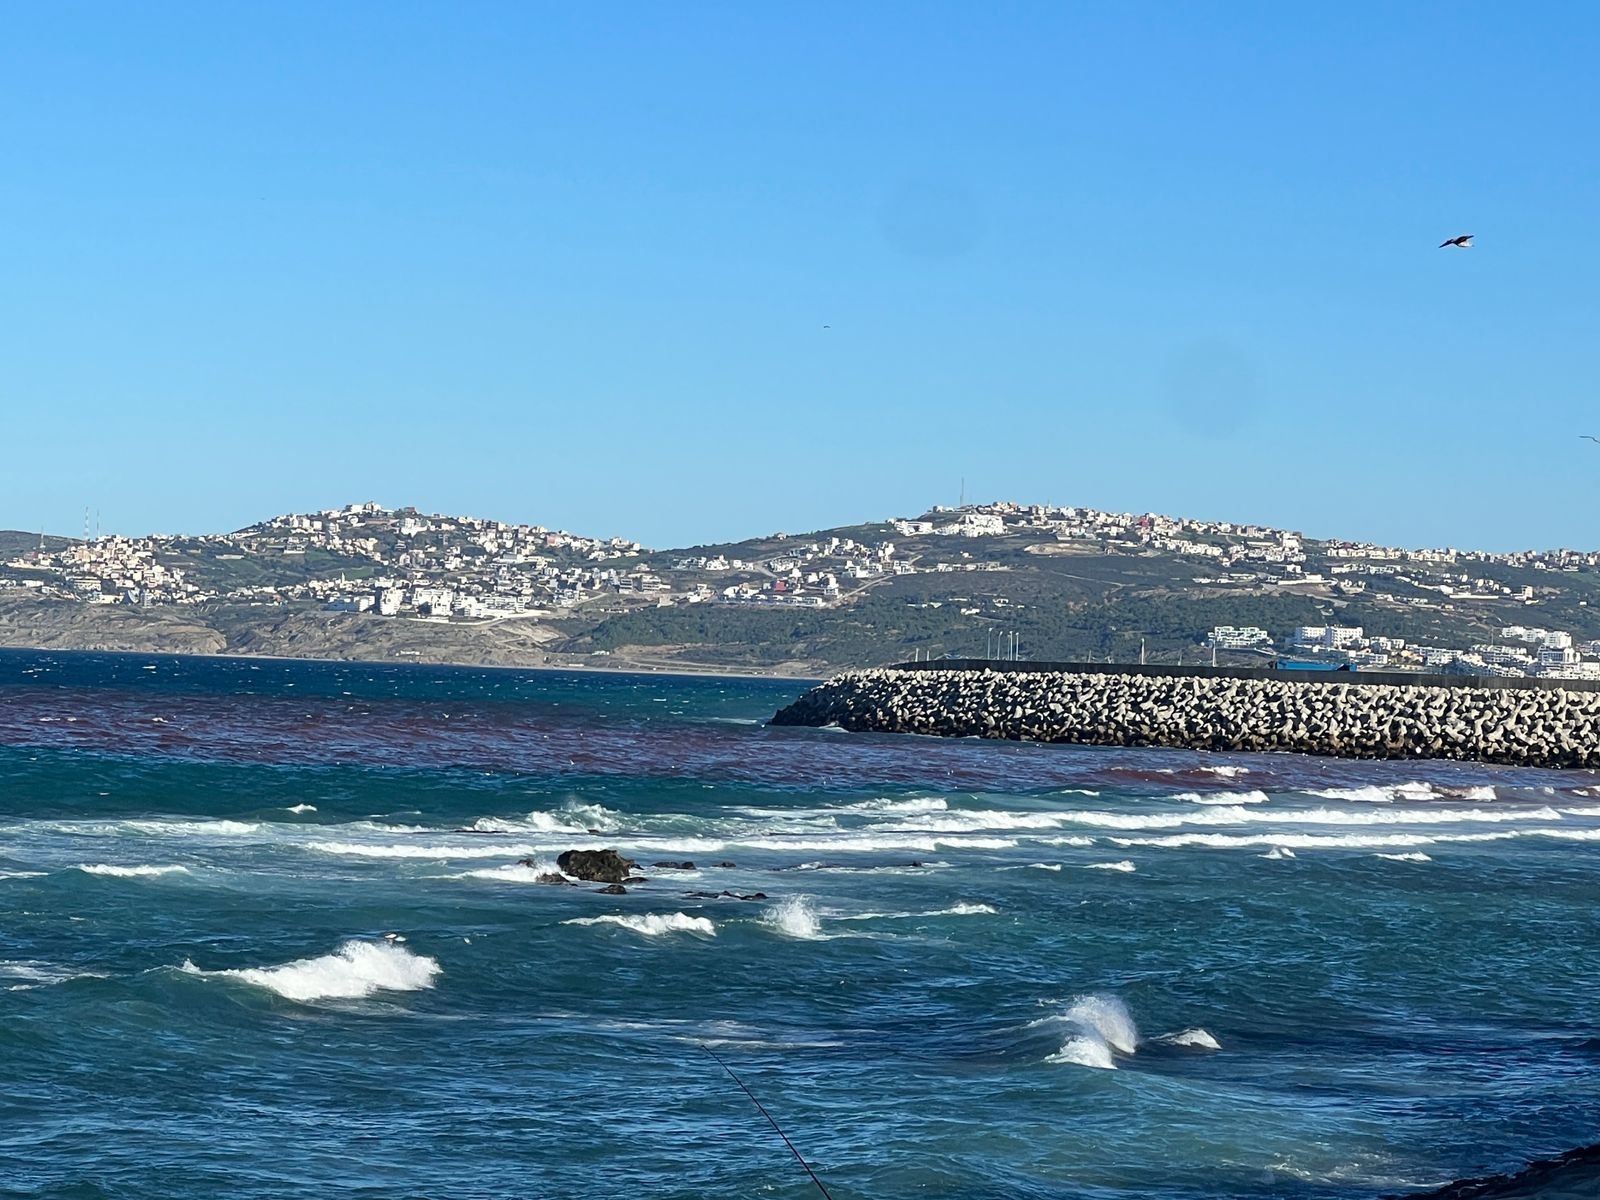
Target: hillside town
403,564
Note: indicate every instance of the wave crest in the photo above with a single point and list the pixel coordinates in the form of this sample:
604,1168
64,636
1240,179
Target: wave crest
352,972
651,924
794,917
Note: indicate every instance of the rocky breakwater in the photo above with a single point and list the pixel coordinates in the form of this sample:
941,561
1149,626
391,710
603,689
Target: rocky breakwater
1544,727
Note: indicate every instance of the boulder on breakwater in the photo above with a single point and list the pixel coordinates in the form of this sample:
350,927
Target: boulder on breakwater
1535,726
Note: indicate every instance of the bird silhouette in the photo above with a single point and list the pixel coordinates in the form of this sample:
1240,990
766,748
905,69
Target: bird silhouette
1590,436
1464,242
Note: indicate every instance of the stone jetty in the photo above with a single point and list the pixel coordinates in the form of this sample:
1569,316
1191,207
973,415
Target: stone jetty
1524,726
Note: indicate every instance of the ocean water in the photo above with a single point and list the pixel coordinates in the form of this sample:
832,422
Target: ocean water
979,970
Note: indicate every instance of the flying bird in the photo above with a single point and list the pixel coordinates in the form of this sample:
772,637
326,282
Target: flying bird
1464,242
1590,436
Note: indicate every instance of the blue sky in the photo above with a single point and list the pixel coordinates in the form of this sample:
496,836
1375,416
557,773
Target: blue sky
573,264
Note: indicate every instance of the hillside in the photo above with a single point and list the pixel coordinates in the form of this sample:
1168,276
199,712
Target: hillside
1061,584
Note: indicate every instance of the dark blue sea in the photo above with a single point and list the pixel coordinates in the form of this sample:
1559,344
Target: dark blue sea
272,929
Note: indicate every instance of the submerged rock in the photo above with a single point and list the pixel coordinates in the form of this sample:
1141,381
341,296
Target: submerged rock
596,866
612,889
685,865
1574,1175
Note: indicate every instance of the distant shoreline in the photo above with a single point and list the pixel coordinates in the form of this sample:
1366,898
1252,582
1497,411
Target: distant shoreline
623,668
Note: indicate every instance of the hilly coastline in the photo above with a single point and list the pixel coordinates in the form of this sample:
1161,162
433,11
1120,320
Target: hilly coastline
1067,584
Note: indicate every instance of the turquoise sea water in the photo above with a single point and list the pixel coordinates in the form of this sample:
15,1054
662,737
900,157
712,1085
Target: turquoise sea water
980,970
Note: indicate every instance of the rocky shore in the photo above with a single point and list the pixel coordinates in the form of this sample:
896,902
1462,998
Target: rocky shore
1542,727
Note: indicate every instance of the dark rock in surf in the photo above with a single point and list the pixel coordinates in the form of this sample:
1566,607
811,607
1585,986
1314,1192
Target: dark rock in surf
674,866
1569,1176
551,879
595,866
612,889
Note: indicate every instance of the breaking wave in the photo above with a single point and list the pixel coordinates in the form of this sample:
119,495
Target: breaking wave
353,972
1346,841
1412,856
512,873
1251,797
651,924
1414,790
301,808
794,917
1103,1029
411,850
916,804
129,872
189,828
1124,865
1195,1039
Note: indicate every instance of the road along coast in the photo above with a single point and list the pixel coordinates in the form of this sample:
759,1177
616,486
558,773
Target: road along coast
1542,727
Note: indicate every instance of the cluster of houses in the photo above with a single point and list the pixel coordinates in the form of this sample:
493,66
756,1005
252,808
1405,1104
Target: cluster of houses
1523,651
400,562
403,563
109,570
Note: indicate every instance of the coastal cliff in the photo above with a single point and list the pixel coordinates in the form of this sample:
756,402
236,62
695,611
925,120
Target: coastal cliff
1543,727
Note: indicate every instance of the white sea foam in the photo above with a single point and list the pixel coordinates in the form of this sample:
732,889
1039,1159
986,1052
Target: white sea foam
1107,1017
416,850
193,828
1375,794
1103,1026
1085,1052
651,924
1124,865
1569,835
1071,840
130,872
1226,772
1229,798
914,804
962,909
301,808
1045,866
512,873
976,819
30,974
1416,856
22,874
1196,1039
873,843
1278,852
1238,814
1320,841
352,972
794,917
